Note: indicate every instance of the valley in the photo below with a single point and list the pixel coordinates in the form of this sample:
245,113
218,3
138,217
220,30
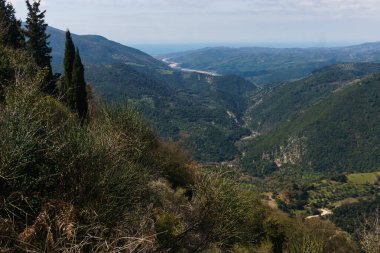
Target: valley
106,148
309,135
292,136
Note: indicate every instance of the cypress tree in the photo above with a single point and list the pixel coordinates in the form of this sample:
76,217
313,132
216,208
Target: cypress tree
80,87
68,88
3,22
37,43
10,28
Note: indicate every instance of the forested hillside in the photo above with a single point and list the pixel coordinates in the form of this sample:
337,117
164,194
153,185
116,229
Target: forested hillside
203,112
99,50
275,105
338,133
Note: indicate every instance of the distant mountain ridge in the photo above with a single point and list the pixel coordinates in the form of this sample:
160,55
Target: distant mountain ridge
263,65
97,50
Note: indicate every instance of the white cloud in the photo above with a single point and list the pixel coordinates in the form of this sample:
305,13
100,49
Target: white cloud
216,20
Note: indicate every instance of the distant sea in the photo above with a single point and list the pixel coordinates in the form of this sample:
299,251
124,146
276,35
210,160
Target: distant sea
160,49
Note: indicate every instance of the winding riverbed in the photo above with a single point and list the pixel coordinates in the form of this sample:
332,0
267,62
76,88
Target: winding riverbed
175,65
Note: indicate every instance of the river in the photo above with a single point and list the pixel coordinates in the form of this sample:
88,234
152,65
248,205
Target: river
175,65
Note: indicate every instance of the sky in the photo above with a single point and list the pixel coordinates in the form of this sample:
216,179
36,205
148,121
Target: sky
319,22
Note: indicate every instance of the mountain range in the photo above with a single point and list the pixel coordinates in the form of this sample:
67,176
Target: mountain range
96,49
210,115
267,65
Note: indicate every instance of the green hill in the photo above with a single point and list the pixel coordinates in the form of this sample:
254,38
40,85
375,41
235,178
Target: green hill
99,50
274,105
339,133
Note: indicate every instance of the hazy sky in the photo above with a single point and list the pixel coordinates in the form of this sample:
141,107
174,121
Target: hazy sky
217,21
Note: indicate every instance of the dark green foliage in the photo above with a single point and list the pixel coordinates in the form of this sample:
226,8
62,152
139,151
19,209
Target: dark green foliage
339,178
68,89
231,90
37,43
264,168
298,194
350,216
6,72
189,107
283,102
276,234
74,87
79,84
213,142
10,28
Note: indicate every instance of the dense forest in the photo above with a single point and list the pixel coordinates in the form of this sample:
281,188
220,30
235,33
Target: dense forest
329,136
80,175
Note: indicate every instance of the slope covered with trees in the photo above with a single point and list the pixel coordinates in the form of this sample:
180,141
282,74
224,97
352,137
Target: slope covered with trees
337,134
275,105
11,33
203,112
97,50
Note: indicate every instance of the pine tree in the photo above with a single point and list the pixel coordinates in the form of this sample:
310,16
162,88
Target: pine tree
37,43
80,87
68,89
10,28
